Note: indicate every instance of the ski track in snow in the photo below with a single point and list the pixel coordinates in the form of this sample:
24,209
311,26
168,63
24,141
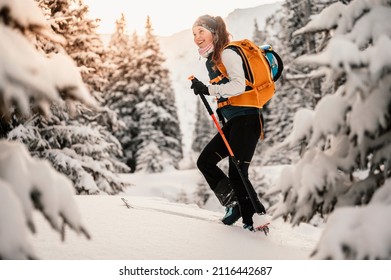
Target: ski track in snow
169,233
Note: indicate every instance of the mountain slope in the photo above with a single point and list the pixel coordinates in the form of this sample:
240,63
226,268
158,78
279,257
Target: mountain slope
241,21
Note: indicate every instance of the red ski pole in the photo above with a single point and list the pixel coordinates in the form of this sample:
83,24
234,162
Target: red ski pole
210,111
250,190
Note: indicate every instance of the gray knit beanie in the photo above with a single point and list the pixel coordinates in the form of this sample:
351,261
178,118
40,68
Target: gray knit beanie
207,22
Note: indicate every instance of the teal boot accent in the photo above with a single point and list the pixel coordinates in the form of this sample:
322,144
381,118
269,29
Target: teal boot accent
248,227
232,214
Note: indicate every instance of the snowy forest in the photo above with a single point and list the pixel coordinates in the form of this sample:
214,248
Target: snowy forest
76,113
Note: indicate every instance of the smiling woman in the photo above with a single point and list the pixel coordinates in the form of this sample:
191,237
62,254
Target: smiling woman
167,17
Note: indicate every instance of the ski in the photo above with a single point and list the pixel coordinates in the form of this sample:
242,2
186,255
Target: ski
264,228
169,212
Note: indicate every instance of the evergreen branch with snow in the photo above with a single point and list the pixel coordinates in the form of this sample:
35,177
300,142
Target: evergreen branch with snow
35,186
80,152
31,82
346,139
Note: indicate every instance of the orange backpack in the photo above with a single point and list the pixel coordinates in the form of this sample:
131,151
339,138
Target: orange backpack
260,76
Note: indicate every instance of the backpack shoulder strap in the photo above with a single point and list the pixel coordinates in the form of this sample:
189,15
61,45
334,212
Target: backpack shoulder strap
237,46
221,68
223,74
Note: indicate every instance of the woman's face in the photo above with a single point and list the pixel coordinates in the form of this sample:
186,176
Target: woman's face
202,36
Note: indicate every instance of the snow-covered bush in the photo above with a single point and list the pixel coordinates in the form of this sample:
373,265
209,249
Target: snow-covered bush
347,160
30,82
27,184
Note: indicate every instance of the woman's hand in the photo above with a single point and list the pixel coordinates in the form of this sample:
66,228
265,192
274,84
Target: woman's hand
199,87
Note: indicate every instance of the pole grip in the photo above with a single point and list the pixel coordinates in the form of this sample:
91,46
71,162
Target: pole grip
206,104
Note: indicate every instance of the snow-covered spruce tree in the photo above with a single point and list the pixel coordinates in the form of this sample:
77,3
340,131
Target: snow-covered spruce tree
295,89
202,194
70,19
159,139
277,113
81,152
122,91
345,169
204,129
259,36
182,197
30,82
75,139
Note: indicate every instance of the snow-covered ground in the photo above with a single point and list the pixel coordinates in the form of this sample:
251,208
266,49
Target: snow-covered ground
159,235
159,228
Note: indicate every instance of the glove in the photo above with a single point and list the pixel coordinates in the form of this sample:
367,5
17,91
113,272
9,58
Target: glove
199,87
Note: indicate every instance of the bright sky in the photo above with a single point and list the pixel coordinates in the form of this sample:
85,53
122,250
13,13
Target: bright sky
167,16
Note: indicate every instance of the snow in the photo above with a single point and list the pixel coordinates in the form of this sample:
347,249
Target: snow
325,20
376,65
334,122
26,12
22,66
302,124
343,17
14,234
372,26
375,104
67,74
340,53
360,222
19,67
160,228
31,187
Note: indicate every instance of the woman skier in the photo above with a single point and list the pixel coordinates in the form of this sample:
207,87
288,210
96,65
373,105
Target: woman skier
243,126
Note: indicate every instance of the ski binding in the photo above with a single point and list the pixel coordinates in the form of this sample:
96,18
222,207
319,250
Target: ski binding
264,228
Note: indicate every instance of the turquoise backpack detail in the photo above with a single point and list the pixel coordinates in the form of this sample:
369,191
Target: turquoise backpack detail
274,60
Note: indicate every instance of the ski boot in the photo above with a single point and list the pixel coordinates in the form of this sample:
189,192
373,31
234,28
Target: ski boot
232,214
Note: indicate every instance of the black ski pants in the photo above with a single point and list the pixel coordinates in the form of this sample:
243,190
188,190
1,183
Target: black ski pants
242,134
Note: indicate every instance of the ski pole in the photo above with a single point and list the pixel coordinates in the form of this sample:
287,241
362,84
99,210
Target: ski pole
250,190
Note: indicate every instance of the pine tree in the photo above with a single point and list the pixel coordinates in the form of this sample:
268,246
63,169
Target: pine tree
156,114
295,89
259,36
71,20
182,197
202,194
149,155
344,171
123,89
203,130
75,139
